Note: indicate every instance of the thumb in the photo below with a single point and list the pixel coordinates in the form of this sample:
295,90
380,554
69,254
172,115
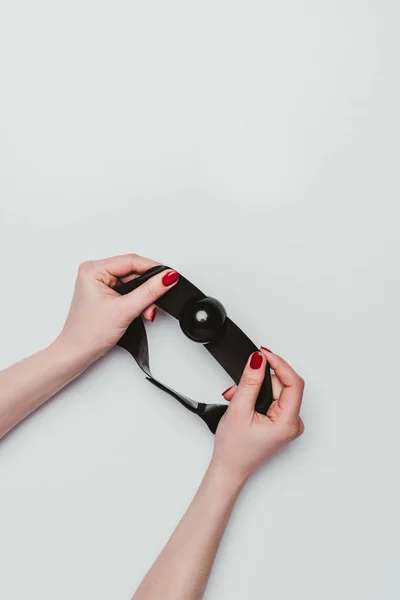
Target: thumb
247,391
138,300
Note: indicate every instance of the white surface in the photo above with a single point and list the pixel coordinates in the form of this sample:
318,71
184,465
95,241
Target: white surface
255,147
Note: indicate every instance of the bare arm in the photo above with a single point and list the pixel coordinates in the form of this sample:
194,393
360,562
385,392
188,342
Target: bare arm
182,569
28,384
244,440
97,319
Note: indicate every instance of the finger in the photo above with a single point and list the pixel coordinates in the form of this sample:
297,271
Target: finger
127,278
301,429
149,314
229,393
277,387
293,385
286,374
250,383
121,280
145,295
274,411
125,265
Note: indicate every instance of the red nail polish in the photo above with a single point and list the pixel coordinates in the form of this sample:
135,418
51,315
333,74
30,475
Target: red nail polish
170,278
227,390
153,314
256,360
267,349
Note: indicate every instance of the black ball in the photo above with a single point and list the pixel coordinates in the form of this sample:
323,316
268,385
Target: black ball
202,320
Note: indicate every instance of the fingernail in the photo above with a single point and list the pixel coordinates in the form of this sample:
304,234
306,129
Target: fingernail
170,278
256,360
153,314
227,390
267,349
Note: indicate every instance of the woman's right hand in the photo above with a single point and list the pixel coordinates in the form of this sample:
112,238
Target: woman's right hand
245,439
99,316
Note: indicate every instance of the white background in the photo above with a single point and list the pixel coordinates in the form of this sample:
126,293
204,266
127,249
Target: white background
254,146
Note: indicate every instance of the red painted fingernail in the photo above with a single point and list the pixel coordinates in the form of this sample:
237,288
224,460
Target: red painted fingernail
256,360
227,390
267,349
153,314
170,278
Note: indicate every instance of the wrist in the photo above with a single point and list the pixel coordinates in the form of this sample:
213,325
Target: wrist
73,357
230,481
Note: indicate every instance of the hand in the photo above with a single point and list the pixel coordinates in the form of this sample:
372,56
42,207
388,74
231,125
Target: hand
245,439
99,316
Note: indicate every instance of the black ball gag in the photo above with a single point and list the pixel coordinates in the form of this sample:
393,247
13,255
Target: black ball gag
204,320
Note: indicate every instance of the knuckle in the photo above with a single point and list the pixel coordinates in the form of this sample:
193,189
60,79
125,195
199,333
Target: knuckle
234,411
291,431
151,290
86,266
300,382
249,381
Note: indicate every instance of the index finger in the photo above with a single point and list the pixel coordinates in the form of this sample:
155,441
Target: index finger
293,385
126,264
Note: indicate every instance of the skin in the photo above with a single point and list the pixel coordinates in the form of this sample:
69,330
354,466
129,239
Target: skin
97,319
244,440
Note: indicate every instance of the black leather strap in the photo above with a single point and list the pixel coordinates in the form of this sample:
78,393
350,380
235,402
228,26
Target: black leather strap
231,349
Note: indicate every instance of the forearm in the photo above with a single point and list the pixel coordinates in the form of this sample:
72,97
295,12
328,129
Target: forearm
182,569
28,384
